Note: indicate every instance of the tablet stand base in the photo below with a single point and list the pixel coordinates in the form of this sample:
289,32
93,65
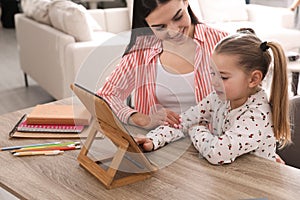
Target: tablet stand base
112,174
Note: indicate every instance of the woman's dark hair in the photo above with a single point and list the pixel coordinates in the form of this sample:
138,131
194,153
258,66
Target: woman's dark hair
141,9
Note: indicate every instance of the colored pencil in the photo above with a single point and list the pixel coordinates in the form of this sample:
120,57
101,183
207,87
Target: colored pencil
68,144
34,153
23,146
62,148
38,145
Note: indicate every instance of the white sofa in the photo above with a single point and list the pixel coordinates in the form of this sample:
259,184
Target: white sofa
52,57
269,23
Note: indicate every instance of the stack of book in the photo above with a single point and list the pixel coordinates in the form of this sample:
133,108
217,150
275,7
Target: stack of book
53,120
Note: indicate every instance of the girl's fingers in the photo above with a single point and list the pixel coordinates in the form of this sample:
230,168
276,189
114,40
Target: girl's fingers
140,140
148,146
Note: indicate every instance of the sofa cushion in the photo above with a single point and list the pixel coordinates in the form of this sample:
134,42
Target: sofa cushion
102,36
93,23
72,19
37,9
221,10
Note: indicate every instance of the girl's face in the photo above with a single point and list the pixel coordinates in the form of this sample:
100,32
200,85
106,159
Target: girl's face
236,82
171,21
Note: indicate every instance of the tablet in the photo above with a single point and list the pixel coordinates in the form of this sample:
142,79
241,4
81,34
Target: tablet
110,125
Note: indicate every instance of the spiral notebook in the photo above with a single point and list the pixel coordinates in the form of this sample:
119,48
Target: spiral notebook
49,128
33,132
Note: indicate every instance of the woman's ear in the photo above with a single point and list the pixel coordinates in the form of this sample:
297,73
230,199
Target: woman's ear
255,78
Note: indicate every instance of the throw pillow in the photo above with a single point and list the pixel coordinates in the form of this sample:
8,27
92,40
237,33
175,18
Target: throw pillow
37,9
93,23
71,18
223,10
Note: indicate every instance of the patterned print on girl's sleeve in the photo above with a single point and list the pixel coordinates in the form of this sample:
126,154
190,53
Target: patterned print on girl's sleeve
163,135
247,129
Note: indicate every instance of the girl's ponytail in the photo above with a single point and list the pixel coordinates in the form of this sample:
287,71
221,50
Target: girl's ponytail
279,99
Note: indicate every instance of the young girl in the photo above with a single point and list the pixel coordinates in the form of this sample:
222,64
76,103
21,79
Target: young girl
237,117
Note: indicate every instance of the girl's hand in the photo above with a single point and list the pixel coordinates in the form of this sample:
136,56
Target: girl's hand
144,142
279,160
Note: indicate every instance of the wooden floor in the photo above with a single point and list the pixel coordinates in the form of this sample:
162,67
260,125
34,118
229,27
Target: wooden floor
13,93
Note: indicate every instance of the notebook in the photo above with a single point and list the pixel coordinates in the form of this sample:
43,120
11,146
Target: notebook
15,133
59,114
49,128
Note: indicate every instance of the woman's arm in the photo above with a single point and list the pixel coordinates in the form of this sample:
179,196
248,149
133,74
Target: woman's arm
119,86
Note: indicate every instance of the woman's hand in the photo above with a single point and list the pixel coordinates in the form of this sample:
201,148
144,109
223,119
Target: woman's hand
172,119
147,121
162,117
144,142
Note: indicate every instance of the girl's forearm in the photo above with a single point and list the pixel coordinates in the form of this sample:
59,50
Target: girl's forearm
163,135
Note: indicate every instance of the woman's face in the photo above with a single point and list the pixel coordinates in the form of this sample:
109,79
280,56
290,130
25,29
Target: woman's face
171,21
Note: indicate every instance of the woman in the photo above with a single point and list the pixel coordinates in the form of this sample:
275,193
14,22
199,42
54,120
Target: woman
166,64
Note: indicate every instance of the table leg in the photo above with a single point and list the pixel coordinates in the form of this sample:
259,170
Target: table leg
295,81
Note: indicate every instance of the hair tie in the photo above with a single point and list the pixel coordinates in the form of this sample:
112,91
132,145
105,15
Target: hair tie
263,46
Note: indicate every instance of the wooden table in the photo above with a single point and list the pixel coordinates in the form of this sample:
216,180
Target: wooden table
188,177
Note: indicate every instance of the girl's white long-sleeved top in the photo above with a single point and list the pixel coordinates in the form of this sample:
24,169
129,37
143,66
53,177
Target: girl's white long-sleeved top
231,132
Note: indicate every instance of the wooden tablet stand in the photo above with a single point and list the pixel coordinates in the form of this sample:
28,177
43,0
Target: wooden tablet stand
128,153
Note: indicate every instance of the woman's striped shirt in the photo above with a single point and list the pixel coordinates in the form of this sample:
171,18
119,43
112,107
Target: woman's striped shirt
136,73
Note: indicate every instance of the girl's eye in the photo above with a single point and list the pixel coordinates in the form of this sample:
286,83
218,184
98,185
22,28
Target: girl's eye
224,78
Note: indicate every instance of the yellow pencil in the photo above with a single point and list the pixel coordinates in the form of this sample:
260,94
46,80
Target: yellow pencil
33,153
